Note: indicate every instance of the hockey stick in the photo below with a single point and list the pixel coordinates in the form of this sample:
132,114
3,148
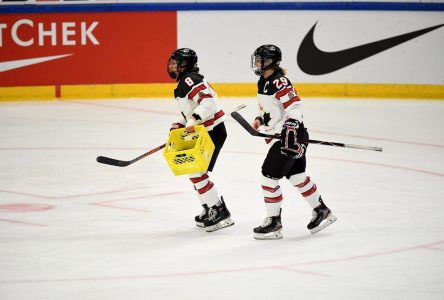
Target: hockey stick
124,163
244,123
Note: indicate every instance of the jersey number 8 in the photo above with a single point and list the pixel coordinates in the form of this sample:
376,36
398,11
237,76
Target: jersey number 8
189,81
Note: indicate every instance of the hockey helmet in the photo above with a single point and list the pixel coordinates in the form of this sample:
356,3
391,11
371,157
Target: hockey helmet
265,57
185,59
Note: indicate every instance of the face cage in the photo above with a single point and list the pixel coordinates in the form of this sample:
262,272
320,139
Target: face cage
172,73
180,63
258,70
265,63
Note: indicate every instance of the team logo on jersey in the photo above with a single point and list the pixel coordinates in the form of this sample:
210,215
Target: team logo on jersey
314,61
267,119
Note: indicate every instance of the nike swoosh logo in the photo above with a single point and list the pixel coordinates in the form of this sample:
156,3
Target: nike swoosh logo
314,61
20,63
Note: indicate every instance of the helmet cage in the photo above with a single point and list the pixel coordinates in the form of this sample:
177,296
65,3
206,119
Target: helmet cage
259,64
265,57
186,60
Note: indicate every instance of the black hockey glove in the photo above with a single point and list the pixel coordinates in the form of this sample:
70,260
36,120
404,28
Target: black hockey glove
289,139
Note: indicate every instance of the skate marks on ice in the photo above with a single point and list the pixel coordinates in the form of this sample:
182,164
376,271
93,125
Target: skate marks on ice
135,226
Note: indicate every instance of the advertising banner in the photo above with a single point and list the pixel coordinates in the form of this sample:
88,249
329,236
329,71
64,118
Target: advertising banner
120,49
360,47
86,48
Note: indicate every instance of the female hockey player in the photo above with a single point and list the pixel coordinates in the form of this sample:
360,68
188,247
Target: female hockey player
280,113
197,104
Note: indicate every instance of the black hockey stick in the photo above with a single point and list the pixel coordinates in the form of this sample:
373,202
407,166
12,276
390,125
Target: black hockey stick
244,123
124,163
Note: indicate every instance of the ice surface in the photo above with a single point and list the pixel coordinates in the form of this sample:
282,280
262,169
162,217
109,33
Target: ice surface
71,228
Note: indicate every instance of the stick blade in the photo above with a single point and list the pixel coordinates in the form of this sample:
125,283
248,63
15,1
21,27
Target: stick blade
247,126
112,161
244,123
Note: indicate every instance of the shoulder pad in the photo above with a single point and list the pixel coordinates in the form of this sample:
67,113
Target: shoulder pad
273,84
186,83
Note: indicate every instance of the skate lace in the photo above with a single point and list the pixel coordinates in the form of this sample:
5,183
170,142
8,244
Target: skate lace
204,211
314,215
266,222
212,214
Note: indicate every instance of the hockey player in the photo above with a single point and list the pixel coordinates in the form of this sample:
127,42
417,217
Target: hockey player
280,112
197,104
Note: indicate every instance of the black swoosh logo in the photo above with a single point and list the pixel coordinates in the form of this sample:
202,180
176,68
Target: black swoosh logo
314,61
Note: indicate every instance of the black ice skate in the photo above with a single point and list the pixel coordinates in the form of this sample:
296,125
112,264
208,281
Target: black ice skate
270,229
218,217
203,215
322,217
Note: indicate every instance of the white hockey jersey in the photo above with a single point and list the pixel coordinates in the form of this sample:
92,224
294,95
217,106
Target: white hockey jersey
195,96
278,101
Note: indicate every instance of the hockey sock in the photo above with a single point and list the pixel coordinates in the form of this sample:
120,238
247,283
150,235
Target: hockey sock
205,189
272,196
307,188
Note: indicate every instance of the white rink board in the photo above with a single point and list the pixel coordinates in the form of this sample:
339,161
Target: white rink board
224,41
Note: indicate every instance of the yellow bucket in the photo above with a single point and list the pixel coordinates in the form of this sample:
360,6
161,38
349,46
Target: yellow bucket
188,153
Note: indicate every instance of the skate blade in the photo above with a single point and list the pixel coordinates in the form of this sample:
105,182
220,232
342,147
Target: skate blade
277,235
200,224
328,221
222,224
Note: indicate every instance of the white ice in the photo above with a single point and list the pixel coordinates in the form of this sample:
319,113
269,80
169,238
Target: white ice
71,228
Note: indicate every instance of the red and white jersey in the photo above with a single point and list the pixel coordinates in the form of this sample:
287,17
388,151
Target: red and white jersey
194,95
278,101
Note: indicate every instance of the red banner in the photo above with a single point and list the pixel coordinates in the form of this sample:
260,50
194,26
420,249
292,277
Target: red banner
86,48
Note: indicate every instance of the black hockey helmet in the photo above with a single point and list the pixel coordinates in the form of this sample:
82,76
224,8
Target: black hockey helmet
268,55
185,58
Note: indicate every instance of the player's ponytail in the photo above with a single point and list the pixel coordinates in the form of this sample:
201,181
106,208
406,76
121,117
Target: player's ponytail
195,69
281,70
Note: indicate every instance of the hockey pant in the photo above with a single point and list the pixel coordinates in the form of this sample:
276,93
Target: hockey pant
274,168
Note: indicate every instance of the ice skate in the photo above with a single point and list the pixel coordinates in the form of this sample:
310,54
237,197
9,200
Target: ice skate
270,229
218,217
202,216
322,217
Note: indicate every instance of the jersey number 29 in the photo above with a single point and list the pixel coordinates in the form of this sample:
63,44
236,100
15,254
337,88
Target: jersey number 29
279,83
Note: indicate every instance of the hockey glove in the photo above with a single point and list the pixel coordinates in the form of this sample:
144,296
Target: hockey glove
259,121
289,139
176,126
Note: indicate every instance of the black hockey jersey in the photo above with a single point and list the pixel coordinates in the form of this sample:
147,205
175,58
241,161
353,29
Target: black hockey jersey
194,95
278,101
